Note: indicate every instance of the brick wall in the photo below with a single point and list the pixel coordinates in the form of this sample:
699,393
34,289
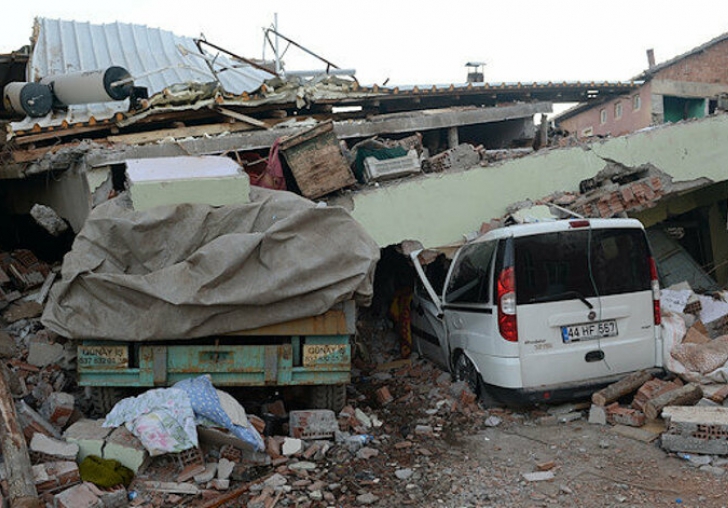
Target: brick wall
708,66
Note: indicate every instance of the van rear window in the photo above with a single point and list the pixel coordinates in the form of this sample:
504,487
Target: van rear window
597,262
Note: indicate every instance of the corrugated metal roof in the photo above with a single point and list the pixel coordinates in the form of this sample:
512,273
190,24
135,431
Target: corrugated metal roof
155,58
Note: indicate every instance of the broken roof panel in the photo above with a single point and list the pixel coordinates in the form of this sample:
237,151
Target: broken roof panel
155,58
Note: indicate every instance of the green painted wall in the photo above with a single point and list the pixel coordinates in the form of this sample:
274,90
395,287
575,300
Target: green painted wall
438,209
211,191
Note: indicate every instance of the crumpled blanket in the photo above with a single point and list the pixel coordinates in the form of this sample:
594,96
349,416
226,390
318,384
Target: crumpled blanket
161,418
208,408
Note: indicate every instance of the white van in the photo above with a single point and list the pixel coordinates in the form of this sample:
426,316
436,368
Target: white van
542,312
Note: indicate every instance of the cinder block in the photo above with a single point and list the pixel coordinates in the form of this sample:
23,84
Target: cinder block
696,429
78,496
125,447
89,435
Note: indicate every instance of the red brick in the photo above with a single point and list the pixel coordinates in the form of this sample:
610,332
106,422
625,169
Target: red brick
650,390
384,396
625,416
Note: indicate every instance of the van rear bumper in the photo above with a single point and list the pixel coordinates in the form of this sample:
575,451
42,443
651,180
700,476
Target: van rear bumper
549,394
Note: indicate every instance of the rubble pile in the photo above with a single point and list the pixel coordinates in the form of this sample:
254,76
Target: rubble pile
382,446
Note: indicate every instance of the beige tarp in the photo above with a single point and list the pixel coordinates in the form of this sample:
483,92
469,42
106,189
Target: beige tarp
187,271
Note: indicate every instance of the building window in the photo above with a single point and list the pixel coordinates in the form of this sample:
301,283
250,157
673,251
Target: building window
603,116
618,110
587,133
636,102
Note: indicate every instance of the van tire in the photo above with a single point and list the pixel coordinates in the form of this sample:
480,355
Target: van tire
464,370
331,397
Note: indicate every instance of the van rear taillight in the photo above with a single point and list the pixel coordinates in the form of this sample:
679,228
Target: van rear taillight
655,283
506,289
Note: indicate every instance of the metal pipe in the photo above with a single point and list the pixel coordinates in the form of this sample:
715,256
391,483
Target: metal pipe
302,48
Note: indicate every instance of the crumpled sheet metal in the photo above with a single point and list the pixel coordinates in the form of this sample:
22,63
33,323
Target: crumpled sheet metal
190,271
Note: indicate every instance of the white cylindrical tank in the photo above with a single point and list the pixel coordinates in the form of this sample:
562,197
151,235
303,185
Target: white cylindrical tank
32,99
85,87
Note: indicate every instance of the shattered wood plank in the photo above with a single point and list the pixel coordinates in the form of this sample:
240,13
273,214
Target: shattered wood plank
194,131
241,117
21,484
622,387
61,133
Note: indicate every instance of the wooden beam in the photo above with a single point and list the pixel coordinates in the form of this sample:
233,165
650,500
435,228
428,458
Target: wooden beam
21,485
139,138
241,117
34,154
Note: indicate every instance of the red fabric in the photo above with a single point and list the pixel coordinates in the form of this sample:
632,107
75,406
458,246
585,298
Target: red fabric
272,176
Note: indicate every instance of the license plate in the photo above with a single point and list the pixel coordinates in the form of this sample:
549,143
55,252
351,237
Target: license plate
105,357
317,354
589,331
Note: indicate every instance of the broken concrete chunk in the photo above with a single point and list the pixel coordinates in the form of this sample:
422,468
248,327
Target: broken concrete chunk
32,422
538,476
57,448
50,476
225,468
125,447
58,408
22,310
42,353
89,435
291,446
8,347
597,415
206,475
695,429
47,218
78,496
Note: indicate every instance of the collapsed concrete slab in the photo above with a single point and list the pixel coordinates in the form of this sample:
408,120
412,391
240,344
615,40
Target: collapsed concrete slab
696,429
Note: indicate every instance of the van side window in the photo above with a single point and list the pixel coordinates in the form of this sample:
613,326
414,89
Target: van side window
469,282
435,273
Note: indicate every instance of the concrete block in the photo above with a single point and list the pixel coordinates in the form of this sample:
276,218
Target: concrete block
125,447
78,496
58,408
209,180
89,435
696,429
57,448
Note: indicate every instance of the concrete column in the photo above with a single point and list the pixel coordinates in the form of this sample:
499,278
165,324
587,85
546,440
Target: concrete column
453,139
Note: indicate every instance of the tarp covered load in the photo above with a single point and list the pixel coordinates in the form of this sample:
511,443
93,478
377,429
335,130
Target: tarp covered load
189,271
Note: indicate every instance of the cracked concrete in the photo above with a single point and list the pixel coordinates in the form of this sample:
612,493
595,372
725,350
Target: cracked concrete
439,209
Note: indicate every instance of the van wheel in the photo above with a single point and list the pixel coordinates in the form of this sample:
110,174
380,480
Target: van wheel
464,370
